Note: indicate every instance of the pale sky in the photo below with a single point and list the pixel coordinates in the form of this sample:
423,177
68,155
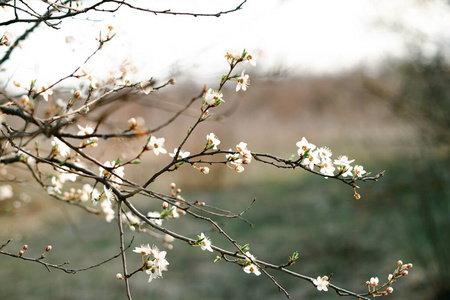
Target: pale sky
304,36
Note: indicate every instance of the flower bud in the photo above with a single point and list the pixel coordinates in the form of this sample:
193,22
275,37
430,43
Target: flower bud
367,283
77,94
389,290
132,228
178,191
20,253
172,81
404,273
399,263
119,276
173,185
165,205
48,248
409,266
132,122
25,247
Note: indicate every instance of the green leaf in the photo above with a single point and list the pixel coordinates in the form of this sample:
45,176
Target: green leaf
118,161
245,248
218,258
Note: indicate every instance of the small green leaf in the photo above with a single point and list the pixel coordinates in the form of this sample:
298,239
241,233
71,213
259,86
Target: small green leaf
245,248
218,258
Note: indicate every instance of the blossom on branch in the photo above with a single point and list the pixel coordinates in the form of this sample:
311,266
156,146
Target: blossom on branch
60,148
243,82
213,98
252,268
143,249
157,145
212,141
304,147
321,283
6,39
204,242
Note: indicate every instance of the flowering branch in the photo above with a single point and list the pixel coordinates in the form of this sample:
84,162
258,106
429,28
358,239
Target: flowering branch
60,158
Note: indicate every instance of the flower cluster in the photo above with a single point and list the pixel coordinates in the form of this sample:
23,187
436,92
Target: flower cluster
372,284
249,266
242,157
154,261
234,56
312,157
88,130
114,174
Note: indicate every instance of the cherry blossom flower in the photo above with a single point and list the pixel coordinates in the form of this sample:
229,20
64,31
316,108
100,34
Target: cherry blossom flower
145,88
155,217
157,145
109,194
346,170
213,97
249,58
304,146
343,161
234,55
204,242
321,283
118,172
88,192
181,155
241,147
238,167
89,129
143,249
157,264
243,82
252,268
327,168
359,170
60,148
311,160
45,93
212,141
374,281
108,211
324,153
6,39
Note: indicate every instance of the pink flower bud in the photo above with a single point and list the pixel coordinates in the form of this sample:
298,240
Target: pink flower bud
25,247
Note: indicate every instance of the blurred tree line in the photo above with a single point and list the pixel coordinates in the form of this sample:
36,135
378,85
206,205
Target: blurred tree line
417,89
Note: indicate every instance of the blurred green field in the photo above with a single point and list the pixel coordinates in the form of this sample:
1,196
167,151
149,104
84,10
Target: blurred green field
403,216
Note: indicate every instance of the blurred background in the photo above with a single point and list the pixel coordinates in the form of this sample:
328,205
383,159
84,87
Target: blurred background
389,111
